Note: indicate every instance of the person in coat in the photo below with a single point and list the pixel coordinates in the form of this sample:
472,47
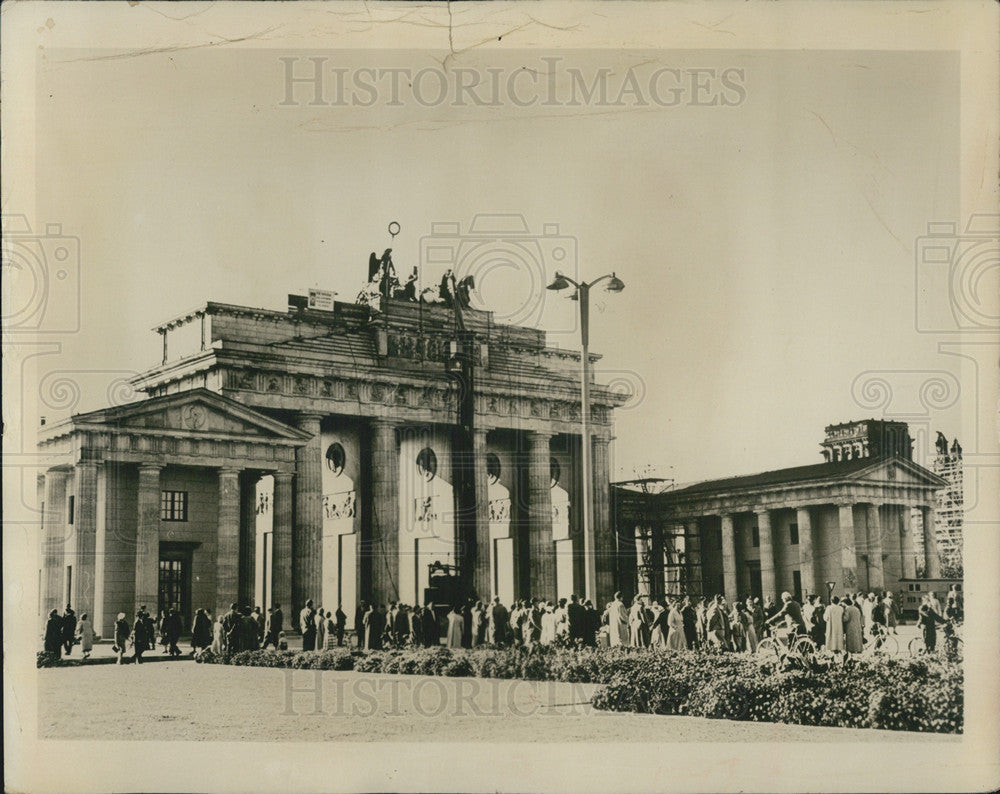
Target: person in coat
374,624
54,633
141,638
307,625
201,631
891,618
430,629
833,615
690,619
658,628
718,628
498,623
818,630
456,626
319,619
122,632
341,621
85,633
172,631
927,619
617,616
676,638
854,641
69,629
591,624
359,623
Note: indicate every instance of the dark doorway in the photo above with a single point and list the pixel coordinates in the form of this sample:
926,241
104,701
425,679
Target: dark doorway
175,579
756,589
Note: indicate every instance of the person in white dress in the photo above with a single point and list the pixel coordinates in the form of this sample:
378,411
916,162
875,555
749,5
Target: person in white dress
617,616
456,624
675,624
85,631
834,617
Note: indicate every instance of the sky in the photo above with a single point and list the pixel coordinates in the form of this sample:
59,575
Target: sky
764,224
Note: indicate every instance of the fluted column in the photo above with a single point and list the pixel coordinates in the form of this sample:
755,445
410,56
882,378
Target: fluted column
85,528
248,537
932,558
692,560
281,542
729,558
307,534
383,551
542,550
768,585
909,553
147,539
227,550
482,577
807,556
604,542
53,520
848,554
876,572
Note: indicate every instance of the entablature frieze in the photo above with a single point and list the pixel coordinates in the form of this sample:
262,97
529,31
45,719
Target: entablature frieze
409,401
166,448
793,499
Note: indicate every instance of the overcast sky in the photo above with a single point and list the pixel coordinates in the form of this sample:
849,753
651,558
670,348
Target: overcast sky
764,225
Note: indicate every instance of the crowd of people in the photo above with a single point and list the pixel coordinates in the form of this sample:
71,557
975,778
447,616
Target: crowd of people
668,622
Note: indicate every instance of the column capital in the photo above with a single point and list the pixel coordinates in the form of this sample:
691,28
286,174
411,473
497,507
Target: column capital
231,471
283,476
602,440
150,468
383,423
538,436
762,511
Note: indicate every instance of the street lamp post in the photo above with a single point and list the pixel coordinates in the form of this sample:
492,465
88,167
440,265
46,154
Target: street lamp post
582,295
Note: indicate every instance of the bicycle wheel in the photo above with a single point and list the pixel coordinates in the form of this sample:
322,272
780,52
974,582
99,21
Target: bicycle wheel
917,647
886,644
805,647
953,648
768,647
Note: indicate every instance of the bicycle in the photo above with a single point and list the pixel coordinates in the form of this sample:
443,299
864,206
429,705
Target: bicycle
785,644
881,641
951,644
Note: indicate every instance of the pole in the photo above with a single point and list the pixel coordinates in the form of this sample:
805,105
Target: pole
589,561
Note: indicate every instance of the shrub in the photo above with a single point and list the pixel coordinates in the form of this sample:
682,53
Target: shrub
892,694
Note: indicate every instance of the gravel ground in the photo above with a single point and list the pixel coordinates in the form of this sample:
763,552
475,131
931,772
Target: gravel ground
182,700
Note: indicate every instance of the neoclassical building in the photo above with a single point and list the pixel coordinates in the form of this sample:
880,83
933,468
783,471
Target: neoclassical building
849,520
287,455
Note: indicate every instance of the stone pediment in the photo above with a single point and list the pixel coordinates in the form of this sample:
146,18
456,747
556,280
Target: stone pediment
898,471
198,412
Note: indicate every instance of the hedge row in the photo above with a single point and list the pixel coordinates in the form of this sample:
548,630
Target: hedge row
894,694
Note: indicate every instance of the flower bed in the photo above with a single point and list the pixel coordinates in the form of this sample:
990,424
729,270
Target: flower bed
911,695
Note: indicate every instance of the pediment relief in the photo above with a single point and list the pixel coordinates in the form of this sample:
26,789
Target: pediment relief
203,413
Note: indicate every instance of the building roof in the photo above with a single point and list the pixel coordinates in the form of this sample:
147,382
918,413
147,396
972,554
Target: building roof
796,474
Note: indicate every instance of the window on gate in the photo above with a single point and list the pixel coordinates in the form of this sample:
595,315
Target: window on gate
172,585
173,506
755,536
797,585
793,534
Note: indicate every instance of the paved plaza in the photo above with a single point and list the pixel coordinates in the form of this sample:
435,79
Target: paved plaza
182,700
